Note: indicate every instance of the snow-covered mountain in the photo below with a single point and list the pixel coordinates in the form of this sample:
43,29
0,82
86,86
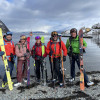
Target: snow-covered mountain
4,27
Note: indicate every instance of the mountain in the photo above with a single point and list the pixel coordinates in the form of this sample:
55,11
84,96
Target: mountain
4,27
96,26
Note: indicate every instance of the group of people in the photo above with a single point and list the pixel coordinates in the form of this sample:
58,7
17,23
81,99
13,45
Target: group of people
53,49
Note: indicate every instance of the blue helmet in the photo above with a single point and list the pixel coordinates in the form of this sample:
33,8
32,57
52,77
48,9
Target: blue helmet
9,33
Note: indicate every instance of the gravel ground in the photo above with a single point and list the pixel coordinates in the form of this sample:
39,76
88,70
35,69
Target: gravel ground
71,91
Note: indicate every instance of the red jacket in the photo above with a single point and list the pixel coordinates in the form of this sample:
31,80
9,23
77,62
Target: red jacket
56,49
38,50
9,47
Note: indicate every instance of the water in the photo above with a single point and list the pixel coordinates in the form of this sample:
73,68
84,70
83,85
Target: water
91,57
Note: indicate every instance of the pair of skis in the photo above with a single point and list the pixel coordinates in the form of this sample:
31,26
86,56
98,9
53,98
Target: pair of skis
81,60
44,69
5,61
43,64
82,87
61,62
28,61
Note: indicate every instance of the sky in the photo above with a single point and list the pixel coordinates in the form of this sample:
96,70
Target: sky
49,15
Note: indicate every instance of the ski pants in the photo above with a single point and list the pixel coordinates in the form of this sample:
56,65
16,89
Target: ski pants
75,57
21,70
38,65
56,69
11,66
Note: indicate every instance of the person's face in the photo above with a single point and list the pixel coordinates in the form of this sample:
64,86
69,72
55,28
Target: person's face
9,37
55,37
23,41
38,41
73,34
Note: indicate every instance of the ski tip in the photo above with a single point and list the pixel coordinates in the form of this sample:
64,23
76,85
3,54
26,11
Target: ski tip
42,37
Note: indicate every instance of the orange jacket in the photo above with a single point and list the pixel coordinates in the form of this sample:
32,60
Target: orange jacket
9,47
56,49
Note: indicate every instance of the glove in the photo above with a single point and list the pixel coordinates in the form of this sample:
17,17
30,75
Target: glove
33,56
70,54
27,51
64,58
13,57
25,54
2,53
51,52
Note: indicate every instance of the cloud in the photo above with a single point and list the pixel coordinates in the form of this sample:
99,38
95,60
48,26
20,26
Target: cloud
48,15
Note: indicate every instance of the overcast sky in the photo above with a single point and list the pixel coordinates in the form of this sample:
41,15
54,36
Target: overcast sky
49,15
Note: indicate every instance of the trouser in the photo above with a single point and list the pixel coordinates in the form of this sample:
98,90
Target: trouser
56,69
75,57
51,67
21,70
11,66
38,64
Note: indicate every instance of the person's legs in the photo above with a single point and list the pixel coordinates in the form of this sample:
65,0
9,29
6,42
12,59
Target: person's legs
73,67
58,69
37,63
86,80
19,70
24,73
51,67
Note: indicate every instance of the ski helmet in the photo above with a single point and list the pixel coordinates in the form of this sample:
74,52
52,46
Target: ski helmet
54,33
37,37
73,30
22,37
9,33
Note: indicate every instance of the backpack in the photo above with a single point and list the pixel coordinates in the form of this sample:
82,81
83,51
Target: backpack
19,46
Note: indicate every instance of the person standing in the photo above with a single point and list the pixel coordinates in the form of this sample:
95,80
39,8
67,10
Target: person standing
22,55
72,45
10,54
54,52
37,55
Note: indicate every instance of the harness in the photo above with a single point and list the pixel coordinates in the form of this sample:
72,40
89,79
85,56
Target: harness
34,50
8,42
55,55
70,47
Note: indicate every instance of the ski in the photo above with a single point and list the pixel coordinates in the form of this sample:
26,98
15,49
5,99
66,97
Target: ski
44,69
52,65
62,61
81,59
34,68
5,61
28,61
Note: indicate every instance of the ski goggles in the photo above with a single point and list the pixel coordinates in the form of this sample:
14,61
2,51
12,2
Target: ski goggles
37,37
23,37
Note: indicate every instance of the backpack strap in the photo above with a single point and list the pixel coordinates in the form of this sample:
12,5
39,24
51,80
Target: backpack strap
18,46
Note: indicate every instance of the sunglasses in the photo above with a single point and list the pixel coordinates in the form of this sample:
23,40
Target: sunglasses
54,35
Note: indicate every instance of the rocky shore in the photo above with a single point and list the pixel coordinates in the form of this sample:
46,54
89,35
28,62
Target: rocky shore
37,91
